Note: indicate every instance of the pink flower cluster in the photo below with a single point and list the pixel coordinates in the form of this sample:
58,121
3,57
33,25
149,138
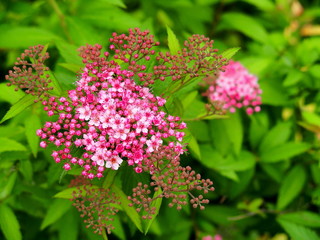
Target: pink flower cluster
109,118
236,88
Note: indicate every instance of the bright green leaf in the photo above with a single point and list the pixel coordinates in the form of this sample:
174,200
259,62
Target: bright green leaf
155,204
69,53
7,144
9,223
9,183
19,106
291,186
283,151
55,211
130,211
24,37
229,53
70,192
9,94
173,42
32,124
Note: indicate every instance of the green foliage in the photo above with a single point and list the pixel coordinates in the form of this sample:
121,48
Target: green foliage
265,167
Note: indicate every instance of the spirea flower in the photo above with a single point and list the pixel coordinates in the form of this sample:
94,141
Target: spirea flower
235,88
111,119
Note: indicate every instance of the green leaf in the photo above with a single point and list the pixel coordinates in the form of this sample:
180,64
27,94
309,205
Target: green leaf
10,145
284,151
229,53
71,67
69,192
265,5
245,24
157,205
305,218
234,130
311,117
118,3
69,225
9,94
130,211
24,37
279,134
55,211
291,186
69,52
298,232
273,94
26,169
293,77
193,145
81,32
9,223
19,106
173,42
32,124
7,185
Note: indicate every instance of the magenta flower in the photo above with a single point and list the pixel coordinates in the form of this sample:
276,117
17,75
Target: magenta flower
111,119
236,88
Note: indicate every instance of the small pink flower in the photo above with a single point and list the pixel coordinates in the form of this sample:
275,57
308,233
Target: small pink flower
114,162
236,88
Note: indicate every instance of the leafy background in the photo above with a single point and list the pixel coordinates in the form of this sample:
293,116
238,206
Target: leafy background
265,167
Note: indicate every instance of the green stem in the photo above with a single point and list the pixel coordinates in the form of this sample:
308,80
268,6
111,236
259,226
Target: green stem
61,17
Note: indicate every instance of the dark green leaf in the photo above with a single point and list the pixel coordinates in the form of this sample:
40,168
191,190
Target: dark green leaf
305,218
291,186
246,25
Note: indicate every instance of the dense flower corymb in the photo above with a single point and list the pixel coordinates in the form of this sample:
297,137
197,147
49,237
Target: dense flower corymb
111,118
236,88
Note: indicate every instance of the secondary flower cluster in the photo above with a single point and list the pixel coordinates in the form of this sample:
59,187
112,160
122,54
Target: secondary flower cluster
111,119
31,76
235,88
169,180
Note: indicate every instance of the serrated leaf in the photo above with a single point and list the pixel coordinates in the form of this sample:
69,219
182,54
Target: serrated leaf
305,218
291,186
173,42
284,151
229,53
298,232
32,124
19,106
9,223
130,211
55,211
7,144
157,205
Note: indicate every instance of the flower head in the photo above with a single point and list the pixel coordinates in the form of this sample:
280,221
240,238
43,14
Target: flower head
235,88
